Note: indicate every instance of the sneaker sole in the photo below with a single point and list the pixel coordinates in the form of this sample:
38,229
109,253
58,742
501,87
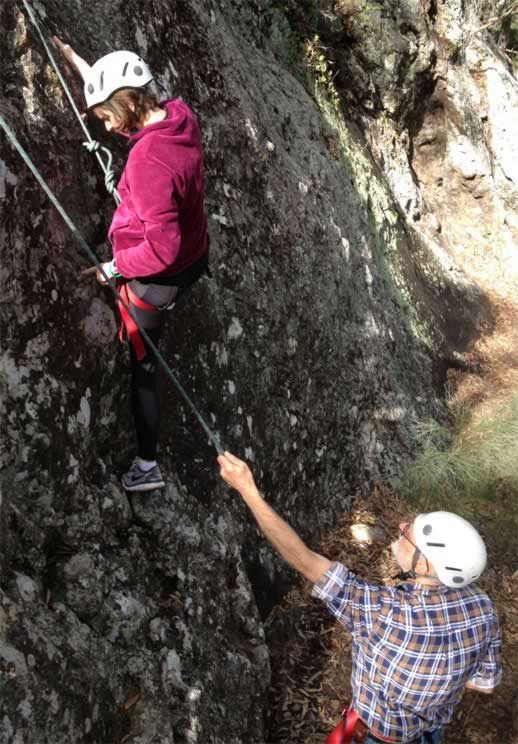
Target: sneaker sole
144,486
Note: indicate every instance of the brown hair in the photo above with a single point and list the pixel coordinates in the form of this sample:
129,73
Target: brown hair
119,106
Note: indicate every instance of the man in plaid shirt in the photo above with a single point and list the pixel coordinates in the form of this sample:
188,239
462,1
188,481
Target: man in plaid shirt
417,645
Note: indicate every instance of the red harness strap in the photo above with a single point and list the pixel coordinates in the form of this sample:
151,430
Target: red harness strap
128,327
344,732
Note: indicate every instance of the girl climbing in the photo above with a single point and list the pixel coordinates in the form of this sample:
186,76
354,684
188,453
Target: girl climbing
158,232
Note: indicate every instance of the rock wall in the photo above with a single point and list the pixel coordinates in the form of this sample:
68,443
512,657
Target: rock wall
434,97
335,308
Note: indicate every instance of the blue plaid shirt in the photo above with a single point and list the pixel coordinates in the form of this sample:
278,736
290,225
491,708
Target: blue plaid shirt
414,649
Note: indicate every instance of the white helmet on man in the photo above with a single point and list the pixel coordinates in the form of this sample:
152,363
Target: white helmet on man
111,73
452,545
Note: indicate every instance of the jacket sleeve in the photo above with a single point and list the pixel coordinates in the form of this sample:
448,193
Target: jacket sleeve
152,189
489,671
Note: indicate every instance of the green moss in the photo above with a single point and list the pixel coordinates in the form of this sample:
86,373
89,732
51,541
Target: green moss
368,10
379,212
295,39
286,44
322,71
302,16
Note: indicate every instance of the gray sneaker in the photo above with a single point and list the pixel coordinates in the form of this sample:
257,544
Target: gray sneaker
136,479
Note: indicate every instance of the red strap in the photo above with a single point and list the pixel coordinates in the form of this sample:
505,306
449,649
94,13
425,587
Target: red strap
350,725
128,326
135,300
344,732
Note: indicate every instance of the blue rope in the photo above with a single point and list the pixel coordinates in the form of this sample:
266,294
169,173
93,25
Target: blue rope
109,176
213,437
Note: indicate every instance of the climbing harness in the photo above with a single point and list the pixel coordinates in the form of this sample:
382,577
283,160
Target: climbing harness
128,327
122,302
91,145
346,729
351,727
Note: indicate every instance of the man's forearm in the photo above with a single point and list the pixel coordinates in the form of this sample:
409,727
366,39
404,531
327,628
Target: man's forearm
284,539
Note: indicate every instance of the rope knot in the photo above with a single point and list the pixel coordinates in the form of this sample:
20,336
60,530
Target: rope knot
92,145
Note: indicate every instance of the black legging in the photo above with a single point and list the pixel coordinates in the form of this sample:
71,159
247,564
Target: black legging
145,404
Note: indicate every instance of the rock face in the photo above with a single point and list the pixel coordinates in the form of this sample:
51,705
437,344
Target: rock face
336,305
434,99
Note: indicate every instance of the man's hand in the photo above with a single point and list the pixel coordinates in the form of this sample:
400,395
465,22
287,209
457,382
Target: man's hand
236,473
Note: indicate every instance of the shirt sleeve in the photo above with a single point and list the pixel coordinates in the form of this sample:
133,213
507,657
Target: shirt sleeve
489,672
152,190
354,602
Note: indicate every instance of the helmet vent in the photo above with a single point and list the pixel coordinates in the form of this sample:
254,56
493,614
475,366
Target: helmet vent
450,568
436,545
90,88
101,83
427,529
458,580
125,69
138,70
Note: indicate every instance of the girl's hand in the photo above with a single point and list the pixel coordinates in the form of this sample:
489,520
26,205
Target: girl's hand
73,59
236,473
101,277
94,271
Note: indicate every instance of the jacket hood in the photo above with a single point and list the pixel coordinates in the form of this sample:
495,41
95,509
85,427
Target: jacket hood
175,122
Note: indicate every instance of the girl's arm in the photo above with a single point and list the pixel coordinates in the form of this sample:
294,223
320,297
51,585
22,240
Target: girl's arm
74,60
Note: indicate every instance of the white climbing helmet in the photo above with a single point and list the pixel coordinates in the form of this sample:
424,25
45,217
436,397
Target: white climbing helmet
111,73
452,545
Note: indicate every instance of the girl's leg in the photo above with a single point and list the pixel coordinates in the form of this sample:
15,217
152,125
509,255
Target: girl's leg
145,404
144,398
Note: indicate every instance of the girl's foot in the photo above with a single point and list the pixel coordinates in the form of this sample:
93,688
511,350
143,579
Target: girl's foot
136,479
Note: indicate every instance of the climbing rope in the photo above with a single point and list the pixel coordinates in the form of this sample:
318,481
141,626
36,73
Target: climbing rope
109,173
91,145
213,437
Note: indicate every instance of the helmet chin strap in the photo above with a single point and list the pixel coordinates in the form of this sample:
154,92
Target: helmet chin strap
411,574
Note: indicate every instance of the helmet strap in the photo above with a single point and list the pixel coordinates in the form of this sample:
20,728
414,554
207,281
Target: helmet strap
411,573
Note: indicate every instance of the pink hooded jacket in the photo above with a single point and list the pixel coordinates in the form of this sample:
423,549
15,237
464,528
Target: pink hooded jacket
160,227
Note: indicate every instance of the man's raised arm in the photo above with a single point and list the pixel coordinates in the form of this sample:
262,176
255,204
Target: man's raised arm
238,475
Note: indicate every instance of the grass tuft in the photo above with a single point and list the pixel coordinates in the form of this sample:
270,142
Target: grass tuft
466,466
